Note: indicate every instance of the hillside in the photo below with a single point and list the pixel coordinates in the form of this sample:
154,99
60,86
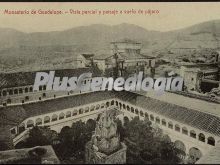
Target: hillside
18,49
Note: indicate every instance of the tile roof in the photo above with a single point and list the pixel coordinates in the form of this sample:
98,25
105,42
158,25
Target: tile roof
17,79
191,117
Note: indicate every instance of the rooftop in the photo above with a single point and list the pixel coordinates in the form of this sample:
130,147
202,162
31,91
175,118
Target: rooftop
27,78
177,107
18,156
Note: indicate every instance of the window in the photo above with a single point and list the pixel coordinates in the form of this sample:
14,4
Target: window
202,137
170,125
151,117
193,134
164,122
184,131
177,128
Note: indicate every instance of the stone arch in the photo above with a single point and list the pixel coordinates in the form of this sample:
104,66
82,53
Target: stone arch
10,92
185,131
211,141
192,134
157,120
152,117
21,128
180,146
136,111
116,103
142,113
132,109
120,105
15,91
61,116
194,154
54,117
164,122
92,108
170,124
112,102
81,111
26,90
97,106
75,112
38,121
4,93
201,137
30,123
46,119
103,105
86,109
177,127
68,114
146,115
128,108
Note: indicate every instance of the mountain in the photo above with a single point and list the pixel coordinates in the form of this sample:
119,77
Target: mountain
19,48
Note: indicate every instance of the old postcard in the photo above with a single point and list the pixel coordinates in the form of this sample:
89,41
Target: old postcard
110,83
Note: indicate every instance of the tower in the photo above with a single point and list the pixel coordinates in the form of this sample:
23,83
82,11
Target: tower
105,145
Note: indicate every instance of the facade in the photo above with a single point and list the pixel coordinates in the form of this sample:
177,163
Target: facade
105,146
201,77
127,58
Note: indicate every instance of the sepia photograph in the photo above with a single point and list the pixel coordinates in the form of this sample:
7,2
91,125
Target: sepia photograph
110,83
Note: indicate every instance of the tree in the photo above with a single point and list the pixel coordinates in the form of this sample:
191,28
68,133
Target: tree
147,144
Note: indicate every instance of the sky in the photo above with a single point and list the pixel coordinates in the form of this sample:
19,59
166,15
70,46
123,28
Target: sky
172,15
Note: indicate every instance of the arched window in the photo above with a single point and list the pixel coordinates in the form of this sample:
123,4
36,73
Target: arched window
75,112
123,106
157,120
26,90
20,90
170,125
112,102
116,103
128,108
193,134
142,113
146,115
136,111
38,121
92,108
46,119
61,116
16,91
68,114
97,107
107,104
152,117
80,111
21,128
103,105
10,92
86,109
211,141
132,109
54,117
185,131
4,93
30,123
164,122
31,89
202,137
177,128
